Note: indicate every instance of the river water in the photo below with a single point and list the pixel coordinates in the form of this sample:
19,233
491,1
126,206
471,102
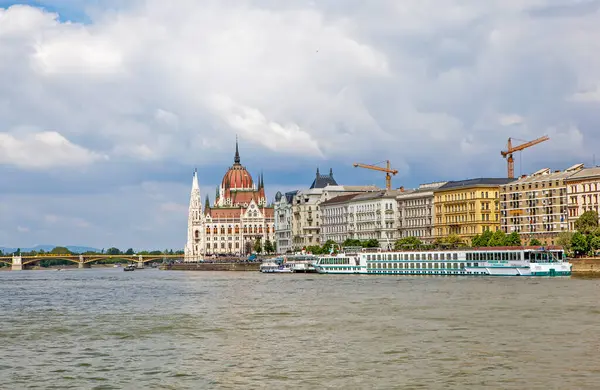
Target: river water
151,329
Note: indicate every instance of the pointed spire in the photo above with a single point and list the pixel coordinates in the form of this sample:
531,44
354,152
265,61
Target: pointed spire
206,203
330,172
236,159
217,194
195,185
318,174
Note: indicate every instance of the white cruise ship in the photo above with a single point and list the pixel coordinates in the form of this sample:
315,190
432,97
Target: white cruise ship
492,261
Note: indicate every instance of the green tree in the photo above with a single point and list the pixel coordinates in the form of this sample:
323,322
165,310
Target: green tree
587,222
482,240
351,242
248,248
113,251
269,246
372,243
408,243
512,239
453,240
579,244
60,250
564,239
535,242
594,244
328,245
258,246
498,238
129,252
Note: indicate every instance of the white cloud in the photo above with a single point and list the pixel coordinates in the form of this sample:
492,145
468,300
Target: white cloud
42,150
435,86
22,229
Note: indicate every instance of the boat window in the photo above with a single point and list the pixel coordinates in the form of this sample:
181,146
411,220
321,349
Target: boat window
462,265
527,255
443,265
455,265
418,256
429,256
454,256
436,266
412,256
435,256
368,257
395,256
468,256
430,265
475,264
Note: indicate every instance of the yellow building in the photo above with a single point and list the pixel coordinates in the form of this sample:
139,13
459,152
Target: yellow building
467,207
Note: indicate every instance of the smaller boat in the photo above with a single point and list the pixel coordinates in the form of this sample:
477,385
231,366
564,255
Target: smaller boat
272,267
129,267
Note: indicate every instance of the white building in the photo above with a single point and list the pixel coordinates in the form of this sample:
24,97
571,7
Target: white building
362,216
283,221
416,212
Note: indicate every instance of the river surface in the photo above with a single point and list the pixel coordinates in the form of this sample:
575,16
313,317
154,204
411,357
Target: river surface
151,329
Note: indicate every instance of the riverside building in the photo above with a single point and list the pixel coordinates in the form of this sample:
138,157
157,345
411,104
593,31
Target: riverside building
535,206
239,216
362,216
416,212
583,192
467,207
283,221
306,213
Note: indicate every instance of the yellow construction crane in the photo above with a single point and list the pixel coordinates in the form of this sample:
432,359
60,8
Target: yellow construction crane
388,172
508,153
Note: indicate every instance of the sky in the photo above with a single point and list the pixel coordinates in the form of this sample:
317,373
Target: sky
106,107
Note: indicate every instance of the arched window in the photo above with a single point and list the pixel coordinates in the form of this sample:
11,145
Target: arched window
229,229
237,229
215,231
222,229
197,234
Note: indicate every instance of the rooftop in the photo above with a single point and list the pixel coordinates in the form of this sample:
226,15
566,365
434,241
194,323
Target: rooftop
482,181
586,173
339,199
322,181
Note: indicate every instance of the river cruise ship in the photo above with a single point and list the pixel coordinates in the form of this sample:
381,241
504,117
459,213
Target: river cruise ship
492,261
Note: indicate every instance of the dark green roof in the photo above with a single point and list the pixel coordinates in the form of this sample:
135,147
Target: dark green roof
482,181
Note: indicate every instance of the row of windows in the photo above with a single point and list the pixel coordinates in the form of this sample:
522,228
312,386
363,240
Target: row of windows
413,256
334,260
419,265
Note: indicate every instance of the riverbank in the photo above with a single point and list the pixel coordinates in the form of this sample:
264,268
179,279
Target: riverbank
586,266
228,266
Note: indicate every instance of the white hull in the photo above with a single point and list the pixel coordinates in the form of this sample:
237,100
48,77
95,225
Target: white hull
488,262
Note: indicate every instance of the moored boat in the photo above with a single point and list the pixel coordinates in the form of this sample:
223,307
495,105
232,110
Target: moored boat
492,261
274,267
129,267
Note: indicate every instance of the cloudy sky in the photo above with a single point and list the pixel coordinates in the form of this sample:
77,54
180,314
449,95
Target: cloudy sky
107,106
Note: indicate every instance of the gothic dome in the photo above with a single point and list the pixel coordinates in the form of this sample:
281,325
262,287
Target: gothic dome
237,177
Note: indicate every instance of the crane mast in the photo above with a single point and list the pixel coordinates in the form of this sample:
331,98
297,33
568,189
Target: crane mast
508,153
388,172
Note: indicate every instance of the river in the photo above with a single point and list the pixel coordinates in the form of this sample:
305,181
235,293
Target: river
151,329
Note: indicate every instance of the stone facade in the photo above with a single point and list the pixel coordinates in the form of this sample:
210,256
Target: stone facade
535,206
283,221
374,216
467,207
583,192
334,214
416,212
239,216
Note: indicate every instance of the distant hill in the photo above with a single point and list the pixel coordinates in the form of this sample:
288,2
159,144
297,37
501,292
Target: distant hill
48,248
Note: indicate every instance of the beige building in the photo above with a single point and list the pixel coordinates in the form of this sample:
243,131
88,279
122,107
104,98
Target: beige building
306,213
535,206
416,212
583,191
